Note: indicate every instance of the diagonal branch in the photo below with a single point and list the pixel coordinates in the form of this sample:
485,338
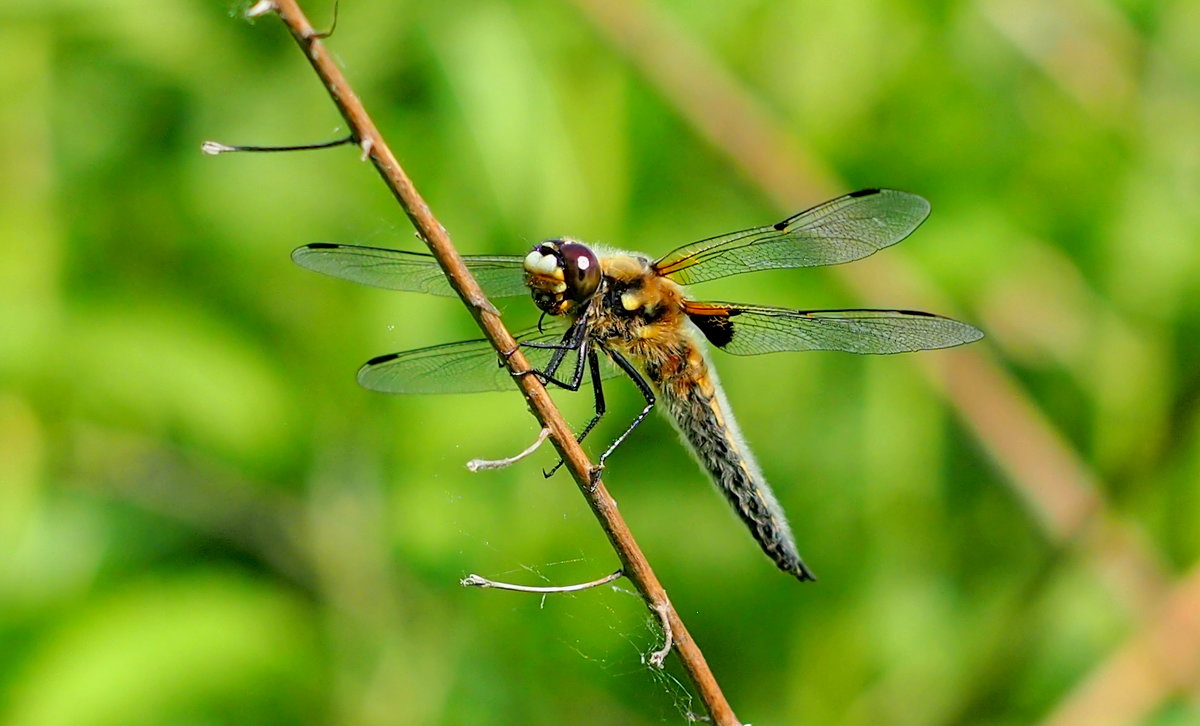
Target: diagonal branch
1155,663
634,563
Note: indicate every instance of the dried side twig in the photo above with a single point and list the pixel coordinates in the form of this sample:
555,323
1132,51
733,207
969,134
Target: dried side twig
658,657
214,148
634,563
483,464
474,580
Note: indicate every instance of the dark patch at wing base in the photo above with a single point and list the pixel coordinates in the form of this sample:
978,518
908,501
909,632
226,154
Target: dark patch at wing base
716,326
761,329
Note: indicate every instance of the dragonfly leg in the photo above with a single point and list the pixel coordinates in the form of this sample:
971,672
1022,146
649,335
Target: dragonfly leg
643,387
574,340
502,361
594,365
547,375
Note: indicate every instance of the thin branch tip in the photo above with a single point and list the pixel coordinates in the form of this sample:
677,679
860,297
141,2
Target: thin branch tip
485,305
213,148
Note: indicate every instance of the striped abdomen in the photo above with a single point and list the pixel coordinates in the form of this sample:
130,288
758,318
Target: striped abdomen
697,406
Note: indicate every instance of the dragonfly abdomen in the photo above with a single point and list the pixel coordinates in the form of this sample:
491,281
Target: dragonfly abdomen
697,406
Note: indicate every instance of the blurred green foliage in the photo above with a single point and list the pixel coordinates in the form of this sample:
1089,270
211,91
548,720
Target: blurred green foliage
204,521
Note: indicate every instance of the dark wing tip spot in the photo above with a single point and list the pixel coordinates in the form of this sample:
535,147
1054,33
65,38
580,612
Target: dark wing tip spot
380,359
920,313
320,246
863,193
780,226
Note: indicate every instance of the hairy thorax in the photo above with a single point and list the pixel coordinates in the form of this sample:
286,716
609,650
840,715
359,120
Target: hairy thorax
641,314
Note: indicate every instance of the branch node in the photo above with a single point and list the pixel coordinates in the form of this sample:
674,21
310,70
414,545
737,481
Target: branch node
482,303
482,464
367,145
593,476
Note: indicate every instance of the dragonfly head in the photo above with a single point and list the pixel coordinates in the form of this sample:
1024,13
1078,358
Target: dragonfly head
561,274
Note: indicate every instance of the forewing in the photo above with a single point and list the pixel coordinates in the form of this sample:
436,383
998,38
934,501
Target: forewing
409,271
471,366
751,329
844,229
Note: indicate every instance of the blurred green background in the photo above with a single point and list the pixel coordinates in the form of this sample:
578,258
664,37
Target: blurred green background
203,520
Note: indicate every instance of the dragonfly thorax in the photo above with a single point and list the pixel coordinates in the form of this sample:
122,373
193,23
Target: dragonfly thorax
560,274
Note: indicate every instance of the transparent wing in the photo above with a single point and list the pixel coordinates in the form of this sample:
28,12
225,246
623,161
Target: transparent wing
752,329
844,229
471,366
409,271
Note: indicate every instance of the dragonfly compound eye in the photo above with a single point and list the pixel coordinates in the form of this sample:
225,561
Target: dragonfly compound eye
546,278
581,270
543,260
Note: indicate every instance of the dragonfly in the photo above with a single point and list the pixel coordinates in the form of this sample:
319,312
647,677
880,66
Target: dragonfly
629,314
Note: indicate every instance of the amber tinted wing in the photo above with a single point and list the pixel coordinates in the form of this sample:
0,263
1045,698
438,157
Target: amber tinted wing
409,271
753,329
841,230
471,366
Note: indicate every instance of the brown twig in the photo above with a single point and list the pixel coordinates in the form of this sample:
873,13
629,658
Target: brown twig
634,563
